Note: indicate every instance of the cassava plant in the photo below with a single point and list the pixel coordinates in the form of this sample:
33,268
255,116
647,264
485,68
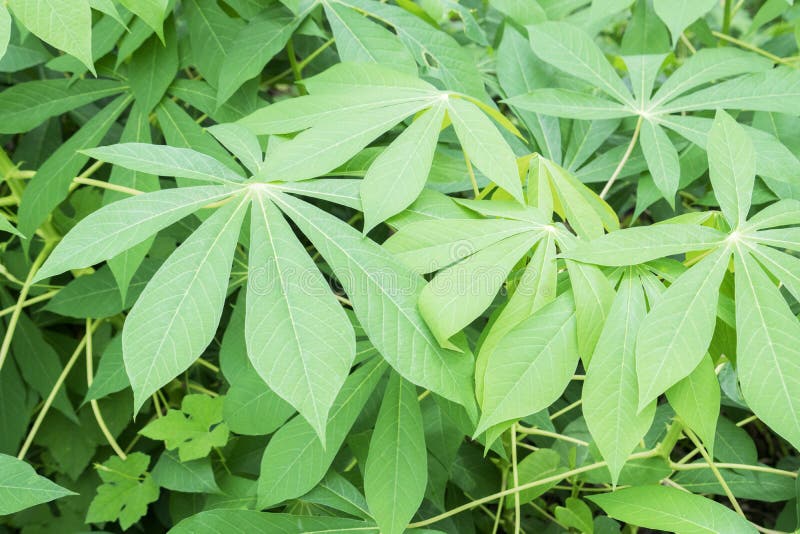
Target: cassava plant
305,266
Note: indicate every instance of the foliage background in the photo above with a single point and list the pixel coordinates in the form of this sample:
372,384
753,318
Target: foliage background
495,355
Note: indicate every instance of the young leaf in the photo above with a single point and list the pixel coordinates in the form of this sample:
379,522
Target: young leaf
674,510
177,315
696,400
731,167
394,180
126,491
675,335
21,487
395,475
241,142
662,159
299,339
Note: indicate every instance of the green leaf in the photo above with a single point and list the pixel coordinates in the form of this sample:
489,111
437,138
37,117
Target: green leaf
394,180
212,35
114,228
152,12
540,464
360,40
64,24
696,400
50,186
645,243
153,67
126,491
610,394
356,77
570,104
195,476
295,460
675,335
570,49
166,161
670,509
662,159
110,376
5,30
767,349
381,300
6,226
395,475
484,146
247,521
678,15
194,429
299,339
784,212
21,487
177,315
784,267
731,167
253,47
519,383
458,294
241,143
328,144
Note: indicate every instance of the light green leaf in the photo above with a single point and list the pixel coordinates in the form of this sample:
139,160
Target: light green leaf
241,142
540,464
166,161
152,12
781,238
678,14
458,294
295,460
731,167
341,191
356,77
518,382
396,473
662,159
696,400
21,487
360,40
784,267
177,315
767,349
248,521
195,476
643,71
379,300
394,180
610,393
299,339
645,243
5,30
484,146
64,24
784,212
593,295
570,49
114,228
674,510
328,144
153,67
126,491
6,226
212,36
675,335
254,46
194,429
110,376
570,104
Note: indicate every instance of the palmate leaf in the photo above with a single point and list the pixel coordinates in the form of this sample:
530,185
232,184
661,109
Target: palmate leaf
126,491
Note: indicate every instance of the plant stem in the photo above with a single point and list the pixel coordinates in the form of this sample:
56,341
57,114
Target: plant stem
546,433
296,70
676,466
30,302
716,472
53,392
105,185
476,191
503,483
515,475
23,295
726,18
624,159
753,48
566,409
95,406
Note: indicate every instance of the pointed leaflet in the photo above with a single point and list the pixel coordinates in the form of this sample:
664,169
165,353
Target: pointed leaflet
153,67
398,174
328,144
531,366
784,267
50,185
458,294
662,159
166,161
241,142
298,337
570,49
384,292
360,40
675,335
396,472
295,460
570,104
731,167
643,71
212,34
784,212
696,400
21,487
593,295
114,228
5,30
767,349
152,12
254,46
177,315
678,14
610,393
484,146
64,24
673,510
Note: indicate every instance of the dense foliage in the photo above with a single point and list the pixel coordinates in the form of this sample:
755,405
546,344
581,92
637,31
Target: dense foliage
360,266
